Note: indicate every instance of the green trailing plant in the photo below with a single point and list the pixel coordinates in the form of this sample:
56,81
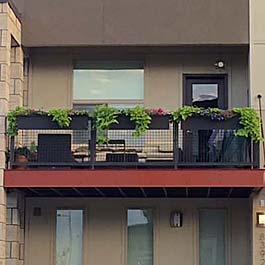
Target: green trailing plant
12,129
61,116
185,112
105,117
139,115
250,122
22,151
33,147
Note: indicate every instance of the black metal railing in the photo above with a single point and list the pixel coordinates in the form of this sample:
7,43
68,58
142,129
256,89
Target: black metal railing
40,143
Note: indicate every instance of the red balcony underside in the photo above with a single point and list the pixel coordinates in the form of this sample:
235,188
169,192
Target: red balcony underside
133,178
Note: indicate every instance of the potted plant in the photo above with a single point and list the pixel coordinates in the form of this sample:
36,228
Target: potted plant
105,118
22,155
160,119
141,119
33,151
127,119
138,119
244,120
22,118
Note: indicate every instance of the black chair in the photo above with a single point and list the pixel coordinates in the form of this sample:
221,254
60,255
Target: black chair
54,148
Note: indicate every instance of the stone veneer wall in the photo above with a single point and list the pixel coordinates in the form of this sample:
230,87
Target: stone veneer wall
11,82
15,229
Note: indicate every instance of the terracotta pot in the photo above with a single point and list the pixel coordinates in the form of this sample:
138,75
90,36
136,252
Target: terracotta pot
22,160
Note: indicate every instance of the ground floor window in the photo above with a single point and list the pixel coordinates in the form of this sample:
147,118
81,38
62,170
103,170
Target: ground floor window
212,237
139,237
69,237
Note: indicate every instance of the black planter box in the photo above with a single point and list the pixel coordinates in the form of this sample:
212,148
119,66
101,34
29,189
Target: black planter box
43,122
206,123
124,123
158,122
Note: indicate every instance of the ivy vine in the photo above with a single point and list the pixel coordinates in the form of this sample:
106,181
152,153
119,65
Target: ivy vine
250,121
105,117
12,129
185,112
61,116
139,115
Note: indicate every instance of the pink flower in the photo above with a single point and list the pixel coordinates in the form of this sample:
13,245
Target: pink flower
159,111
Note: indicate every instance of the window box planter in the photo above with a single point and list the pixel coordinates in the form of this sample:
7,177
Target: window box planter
206,123
42,122
158,122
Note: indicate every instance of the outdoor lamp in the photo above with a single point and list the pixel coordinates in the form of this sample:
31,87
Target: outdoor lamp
261,219
219,64
176,219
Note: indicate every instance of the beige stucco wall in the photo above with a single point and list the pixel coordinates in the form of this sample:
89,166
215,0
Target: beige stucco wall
257,57
142,22
257,50
105,229
51,77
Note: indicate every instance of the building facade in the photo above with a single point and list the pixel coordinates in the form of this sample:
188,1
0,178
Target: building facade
190,193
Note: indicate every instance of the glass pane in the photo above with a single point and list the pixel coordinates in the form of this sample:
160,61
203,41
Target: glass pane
212,237
140,237
69,237
109,84
205,95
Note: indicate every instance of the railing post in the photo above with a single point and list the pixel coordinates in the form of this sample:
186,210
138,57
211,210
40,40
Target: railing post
256,154
12,151
93,144
175,145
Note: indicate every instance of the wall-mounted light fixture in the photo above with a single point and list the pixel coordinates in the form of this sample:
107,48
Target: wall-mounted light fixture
261,219
176,219
220,64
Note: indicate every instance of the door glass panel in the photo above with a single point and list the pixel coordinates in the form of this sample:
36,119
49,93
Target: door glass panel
69,237
205,95
140,237
212,237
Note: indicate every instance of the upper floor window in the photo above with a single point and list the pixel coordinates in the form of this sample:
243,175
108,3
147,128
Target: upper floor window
110,82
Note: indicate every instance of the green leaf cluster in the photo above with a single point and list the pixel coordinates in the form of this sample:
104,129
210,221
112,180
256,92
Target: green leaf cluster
139,115
105,117
61,116
185,112
12,129
251,125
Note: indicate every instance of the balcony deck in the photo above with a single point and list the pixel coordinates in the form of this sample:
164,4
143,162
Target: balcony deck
41,144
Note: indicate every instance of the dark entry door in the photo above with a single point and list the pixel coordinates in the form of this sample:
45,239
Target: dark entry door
207,91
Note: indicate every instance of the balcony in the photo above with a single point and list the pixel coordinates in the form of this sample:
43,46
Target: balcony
198,142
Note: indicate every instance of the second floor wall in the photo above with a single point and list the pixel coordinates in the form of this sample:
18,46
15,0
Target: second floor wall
141,22
51,73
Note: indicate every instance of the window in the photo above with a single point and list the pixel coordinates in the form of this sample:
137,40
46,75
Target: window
110,82
140,237
69,237
212,236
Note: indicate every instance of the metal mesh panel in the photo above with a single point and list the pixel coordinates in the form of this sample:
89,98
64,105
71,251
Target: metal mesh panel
52,147
156,146
213,147
172,147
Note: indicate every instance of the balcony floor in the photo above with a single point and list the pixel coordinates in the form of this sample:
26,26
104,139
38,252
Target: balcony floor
180,183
